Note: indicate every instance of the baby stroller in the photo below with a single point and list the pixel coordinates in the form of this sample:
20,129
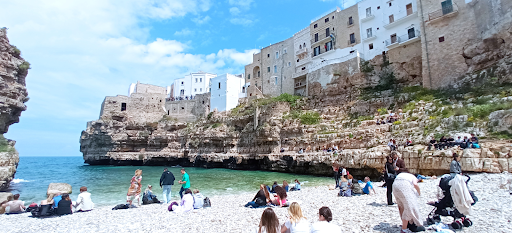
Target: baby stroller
446,207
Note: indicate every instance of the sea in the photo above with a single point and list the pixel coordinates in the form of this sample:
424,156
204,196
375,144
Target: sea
108,185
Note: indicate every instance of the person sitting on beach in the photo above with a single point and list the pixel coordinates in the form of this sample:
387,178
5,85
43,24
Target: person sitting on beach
280,198
356,188
186,204
261,198
83,201
65,205
148,197
285,185
269,222
198,199
296,187
16,206
2,207
296,223
324,224
273,187
368,186
344,188
56,199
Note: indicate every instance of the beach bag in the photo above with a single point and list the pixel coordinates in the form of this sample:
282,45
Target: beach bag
207,202
145,199
171,205
121,206
260,202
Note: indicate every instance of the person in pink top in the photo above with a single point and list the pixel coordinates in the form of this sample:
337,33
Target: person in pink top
280,198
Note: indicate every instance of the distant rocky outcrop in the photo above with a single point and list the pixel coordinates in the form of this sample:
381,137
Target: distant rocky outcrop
54,188
13,96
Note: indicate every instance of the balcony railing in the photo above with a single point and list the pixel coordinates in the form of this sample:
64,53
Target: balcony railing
301,51
367,18
300,73
445,10
403,19
402,39
320,40
300,84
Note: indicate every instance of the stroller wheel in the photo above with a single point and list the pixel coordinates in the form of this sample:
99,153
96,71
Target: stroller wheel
437,218
456,225
430,221
467,222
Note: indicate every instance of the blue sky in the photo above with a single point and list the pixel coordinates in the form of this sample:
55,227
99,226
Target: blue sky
82,51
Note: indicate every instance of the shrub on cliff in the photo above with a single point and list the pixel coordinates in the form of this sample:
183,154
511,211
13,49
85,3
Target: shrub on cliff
4,145
309,118
24,66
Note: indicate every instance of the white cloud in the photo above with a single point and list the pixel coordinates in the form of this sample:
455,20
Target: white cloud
201,20
184,32
234,10
82,51
246,4
241,21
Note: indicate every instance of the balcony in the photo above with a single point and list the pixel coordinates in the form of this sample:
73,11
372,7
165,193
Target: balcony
369,38
367,18
320,40
301,51
322,52
445,11
403,40
300,84
300,73
400,20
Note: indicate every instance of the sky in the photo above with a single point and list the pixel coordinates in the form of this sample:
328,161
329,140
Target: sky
83,50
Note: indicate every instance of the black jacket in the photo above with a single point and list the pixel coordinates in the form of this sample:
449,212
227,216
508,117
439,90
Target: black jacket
167,178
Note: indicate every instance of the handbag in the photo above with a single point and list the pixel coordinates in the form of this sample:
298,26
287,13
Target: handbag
391,176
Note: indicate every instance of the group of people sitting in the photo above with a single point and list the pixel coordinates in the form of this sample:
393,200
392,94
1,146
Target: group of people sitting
390,118
332,149
445,143
275,195
190,201
54,204
296,222
393,145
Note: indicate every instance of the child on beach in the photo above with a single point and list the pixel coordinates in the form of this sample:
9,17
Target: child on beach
296,187
135,187
368,186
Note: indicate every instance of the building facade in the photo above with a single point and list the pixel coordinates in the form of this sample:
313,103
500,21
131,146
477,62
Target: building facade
302,47
226,90
192,84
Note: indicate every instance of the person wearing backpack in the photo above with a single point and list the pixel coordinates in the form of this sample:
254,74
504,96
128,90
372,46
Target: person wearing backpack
166,183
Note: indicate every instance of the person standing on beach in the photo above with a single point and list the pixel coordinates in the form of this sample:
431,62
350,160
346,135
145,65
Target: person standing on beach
389,175
335,169
398,163
135,187
185,182
166,183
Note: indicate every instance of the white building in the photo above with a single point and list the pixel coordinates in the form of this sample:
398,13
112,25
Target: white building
386,24
302,47
226,89
192,84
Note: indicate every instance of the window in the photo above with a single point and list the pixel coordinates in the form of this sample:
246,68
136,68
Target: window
123,106
350,20
368,12
304,68
327,32
328,46
391,19
256,84
268,55
275,80
182,92
447,7
200,80
289,64
249,76
268,69
275,69
200,89
243,91
352,38
196,80
181,83
219,85
393,38
389,3
441,39
409,8
258,73
369,33
300,46
284,51
195,89
411,33
316,25
304,45
326,20
316,51
277,55
378,7
316,37
370,46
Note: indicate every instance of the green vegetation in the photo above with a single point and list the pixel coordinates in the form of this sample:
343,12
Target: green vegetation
17,51
4,145
24,66
365,118
366,67
309,118
397,122
167,118
350,135
215,125
382,111
209,116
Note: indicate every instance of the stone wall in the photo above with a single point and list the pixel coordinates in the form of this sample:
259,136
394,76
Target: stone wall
189,110
474,36
13,96
139,107
344,29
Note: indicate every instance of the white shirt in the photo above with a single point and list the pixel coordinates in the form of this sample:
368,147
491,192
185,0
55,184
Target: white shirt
298,227
325,227
264,230
15,206
84,202
344,172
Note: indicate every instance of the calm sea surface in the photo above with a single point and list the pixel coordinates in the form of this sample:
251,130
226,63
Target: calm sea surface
109,184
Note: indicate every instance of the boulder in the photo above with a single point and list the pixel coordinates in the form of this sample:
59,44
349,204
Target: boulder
54,188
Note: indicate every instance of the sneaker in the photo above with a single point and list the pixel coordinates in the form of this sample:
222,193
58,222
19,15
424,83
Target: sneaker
414,228
405,231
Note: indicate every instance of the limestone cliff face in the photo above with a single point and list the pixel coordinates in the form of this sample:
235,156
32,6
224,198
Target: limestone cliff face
13,95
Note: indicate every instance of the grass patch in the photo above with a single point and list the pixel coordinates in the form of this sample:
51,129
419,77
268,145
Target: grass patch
397,122
4,145
167,118
309,118
483,111
215,125
24,66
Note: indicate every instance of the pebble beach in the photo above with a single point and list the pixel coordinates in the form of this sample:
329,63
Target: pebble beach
367,213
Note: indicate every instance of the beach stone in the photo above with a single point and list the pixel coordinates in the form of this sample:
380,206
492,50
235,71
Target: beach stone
54,188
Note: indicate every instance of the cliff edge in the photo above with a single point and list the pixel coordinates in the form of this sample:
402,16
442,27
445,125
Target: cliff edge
13,96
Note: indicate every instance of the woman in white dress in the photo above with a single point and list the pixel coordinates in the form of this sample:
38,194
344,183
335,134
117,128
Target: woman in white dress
297,223
407,191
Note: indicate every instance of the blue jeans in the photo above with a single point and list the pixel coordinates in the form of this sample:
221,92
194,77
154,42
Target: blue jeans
167,193
252,204
181,192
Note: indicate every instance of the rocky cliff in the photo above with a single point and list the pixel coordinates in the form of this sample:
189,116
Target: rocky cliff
13,96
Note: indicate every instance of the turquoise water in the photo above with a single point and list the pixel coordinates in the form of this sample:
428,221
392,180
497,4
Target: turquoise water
109,184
